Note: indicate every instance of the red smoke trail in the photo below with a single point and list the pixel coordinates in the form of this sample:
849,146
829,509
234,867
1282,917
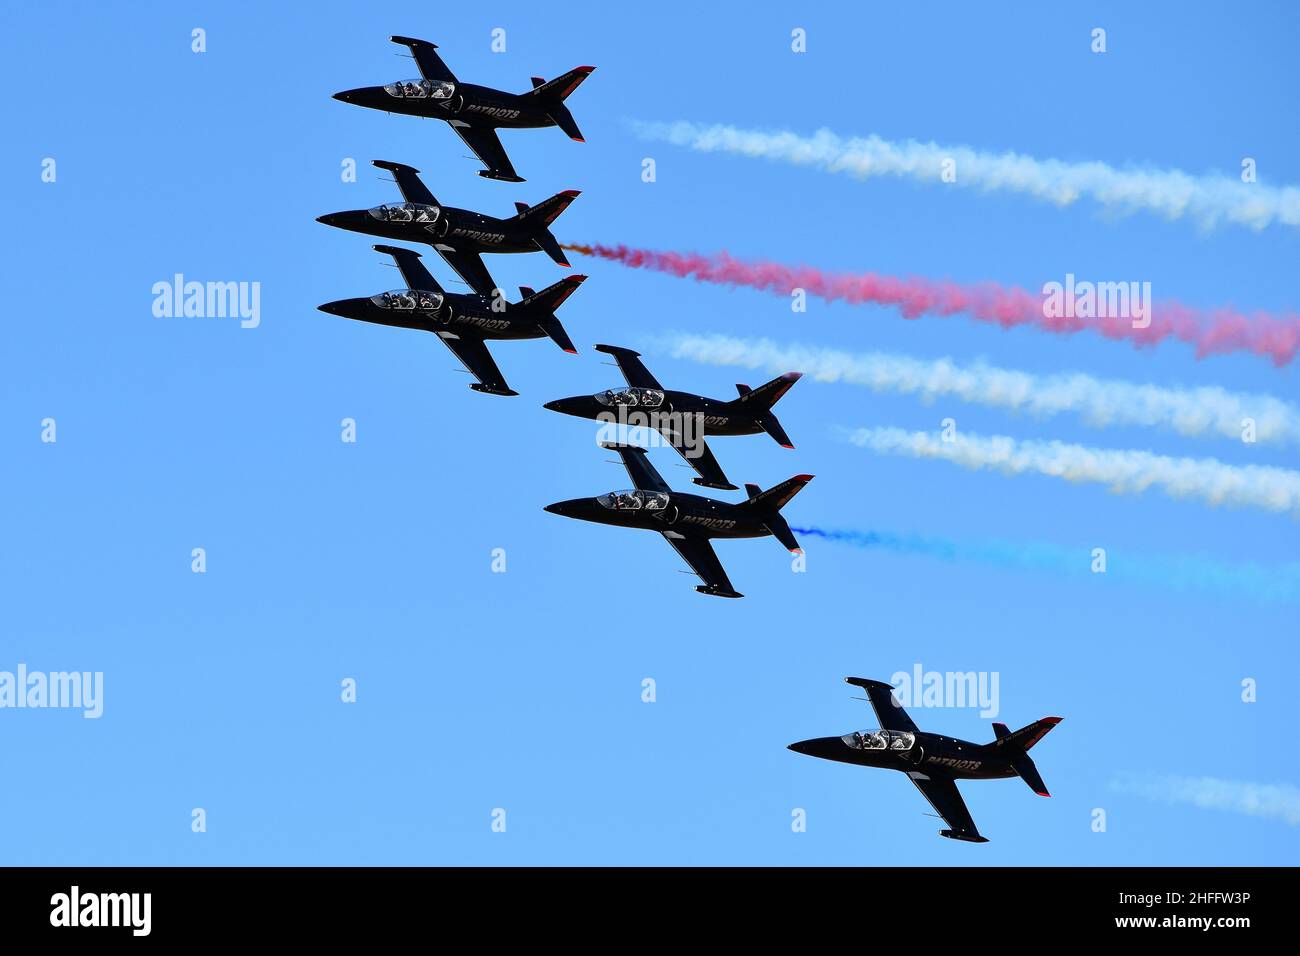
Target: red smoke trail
1212,332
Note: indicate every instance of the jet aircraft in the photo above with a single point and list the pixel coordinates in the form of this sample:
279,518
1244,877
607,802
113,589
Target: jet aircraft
932,761
688,521
681,417
458,235
463,322
474,112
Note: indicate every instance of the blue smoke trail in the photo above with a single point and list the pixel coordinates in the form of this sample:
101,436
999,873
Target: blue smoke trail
1188,572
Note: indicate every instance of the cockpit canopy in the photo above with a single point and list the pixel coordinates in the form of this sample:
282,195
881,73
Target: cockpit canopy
637,500
408,300
631,397
900,740
406,212
421,89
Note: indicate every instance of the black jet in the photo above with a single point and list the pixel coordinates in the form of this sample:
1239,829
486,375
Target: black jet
682,418
931,761
688,521
463,322
458,235
474,112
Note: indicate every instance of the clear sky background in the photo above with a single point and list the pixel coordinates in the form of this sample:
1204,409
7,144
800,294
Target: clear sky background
372,560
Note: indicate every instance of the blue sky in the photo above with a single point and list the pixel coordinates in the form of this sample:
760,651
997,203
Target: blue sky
372,560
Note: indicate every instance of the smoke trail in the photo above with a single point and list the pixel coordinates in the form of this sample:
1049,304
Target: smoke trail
1212,332
1124,471
1171,193
1195,573
1101,402
1278,801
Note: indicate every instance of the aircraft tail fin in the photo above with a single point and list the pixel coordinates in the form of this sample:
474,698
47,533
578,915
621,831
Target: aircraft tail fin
539,218
559,88
554,94
545,303
1024,738
758,402
1015,745
546,211
766,395
778,496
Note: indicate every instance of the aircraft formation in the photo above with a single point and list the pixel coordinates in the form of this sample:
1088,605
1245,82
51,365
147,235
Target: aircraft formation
467,322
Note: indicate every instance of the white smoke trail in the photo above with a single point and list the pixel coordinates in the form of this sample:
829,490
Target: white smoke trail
1171,193
1206,411
1279,801
1124,471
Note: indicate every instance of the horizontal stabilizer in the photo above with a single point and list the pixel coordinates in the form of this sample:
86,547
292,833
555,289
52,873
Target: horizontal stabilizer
964,837
781,531
1029,774
562,118
552,327
552,248
773,428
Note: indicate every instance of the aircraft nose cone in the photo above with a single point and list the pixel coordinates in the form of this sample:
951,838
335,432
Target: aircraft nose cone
565,509
566,406
827,747
347,96
328,219
333,308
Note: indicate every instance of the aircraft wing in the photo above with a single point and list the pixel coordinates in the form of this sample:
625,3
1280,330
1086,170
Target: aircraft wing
414,274
638,467
427,59
629,363
700,457
698,553
889,712
408,181
946,799
487,147
473,352
469,266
